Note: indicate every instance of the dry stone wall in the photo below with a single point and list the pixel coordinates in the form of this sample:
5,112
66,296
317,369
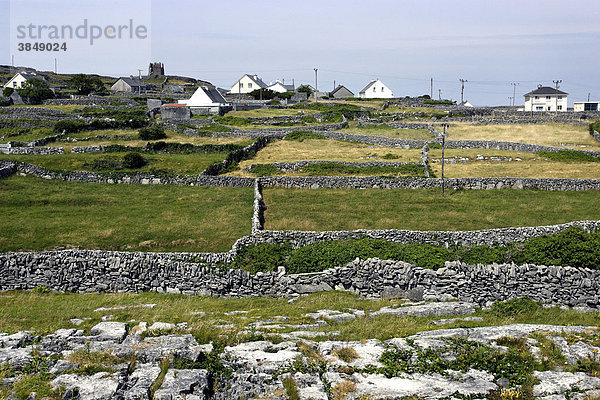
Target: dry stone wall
99,271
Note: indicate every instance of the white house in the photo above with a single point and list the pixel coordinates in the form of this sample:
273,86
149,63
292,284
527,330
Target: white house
279,87
375,90
17,81
247,84
546,98
207,100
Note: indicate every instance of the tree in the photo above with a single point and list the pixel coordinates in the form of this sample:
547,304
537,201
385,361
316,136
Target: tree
36,90
305,89
85,84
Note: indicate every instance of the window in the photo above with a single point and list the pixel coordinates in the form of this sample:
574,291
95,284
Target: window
382,88
560,97
539,108
559,108
547,97
249,86
374,88
14,84
590,107
241,85
537,97
549,108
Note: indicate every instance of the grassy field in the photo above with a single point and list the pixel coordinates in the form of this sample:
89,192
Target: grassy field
348,209
384,130
327,150
49,214
35,133
427,111
559,135
44,313
531,165
269,112
170,163
66,108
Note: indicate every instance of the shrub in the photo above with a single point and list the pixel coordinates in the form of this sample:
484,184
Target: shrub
36,90
274,102
594,126
69,126
265,170
300,136
8,91
568,156
133,160
153,132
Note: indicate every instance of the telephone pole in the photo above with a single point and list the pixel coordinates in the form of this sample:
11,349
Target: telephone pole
443,147
431,95
514,84
440,94
462,89
556,83
316,87
511,100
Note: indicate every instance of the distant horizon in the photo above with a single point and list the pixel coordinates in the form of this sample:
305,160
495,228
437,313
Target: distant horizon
405,44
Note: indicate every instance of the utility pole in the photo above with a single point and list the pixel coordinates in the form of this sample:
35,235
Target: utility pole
440,94
556,83
443,146
55,66
511,100
514,84
431,95
316,87
140,74
462,89
588,97
13,61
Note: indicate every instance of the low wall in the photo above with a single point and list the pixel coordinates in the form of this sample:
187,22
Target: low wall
310,182
490,237
98,271
510,146
32,150
596,135
293,166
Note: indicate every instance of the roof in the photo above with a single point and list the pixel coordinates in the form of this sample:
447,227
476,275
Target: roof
29,75
338,88
363,90
289,88
214,95
254,78
545,90
133,82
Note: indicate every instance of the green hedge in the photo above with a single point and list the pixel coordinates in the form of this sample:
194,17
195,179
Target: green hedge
568,156
300,136
594,126
572,247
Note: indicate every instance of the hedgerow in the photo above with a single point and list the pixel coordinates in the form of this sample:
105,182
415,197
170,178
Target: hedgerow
573,247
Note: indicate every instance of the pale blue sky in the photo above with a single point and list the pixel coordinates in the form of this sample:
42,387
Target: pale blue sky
404,43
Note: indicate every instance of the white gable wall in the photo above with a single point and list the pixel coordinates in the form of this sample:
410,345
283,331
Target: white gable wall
244,85
200,99
277,87
377,91
16,82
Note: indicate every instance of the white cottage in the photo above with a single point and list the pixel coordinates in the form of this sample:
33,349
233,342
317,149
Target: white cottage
17,81
247,84
206,100
280,87
546,98
376,90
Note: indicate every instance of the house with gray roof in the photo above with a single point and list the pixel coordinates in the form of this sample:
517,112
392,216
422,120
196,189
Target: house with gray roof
281,87
206,100
546,98
341,92
131,84
247,84
376,90
17,81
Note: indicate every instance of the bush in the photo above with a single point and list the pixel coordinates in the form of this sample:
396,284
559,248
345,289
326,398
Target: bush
595,126
133,160
153,132
300,136
274,102
8,91
36,90
568,156
69,126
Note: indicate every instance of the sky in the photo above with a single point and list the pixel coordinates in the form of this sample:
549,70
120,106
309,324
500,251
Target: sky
405,43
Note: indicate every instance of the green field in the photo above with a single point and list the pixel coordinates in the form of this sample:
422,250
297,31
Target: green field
170,163
416,209
49,214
